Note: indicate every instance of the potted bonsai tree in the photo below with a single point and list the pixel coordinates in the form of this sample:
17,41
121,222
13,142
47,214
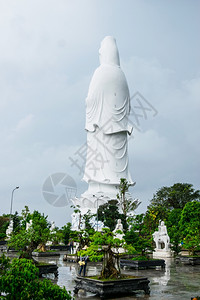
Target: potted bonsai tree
103,246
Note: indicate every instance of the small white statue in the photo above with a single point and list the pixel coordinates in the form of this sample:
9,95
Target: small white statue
75,221
29,224
9,230
161,237
119,226
52,228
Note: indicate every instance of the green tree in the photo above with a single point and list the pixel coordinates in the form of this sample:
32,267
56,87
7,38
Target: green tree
108,213
139,236
153,215
127,205
190,226
56,236
173,229
66,231
175,196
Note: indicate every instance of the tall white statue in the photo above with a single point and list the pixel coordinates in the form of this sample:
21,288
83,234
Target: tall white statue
107,126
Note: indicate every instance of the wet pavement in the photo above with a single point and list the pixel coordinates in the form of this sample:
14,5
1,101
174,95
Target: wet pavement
174,282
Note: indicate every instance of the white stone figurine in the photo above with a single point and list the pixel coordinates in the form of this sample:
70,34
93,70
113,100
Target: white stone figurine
9,230
108,127
29,224
161,237
52,228
119,226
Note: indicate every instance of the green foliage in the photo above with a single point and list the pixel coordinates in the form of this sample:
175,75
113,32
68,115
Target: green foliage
28,240
175,196
16,222
153,215
2,236
139,235
86,219
4,264
167,205
173,229
66,231
190,226
101,246
20,281
140,243
127,205
108,213
83,237
130,249
4,222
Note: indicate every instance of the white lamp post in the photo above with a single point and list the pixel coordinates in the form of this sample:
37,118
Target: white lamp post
12,201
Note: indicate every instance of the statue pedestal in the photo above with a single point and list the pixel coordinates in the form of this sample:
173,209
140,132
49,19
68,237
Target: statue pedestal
162,253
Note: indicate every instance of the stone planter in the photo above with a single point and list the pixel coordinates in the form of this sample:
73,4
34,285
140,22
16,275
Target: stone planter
45,254
47,269
59,247
142,264
187,260
70,258
112,287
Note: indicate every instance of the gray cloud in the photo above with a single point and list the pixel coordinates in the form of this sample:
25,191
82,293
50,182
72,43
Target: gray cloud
49,50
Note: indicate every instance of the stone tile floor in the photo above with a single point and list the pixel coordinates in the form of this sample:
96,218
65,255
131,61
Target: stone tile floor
175,282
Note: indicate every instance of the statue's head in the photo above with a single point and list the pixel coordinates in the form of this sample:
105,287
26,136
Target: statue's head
108,52
119,221
162,223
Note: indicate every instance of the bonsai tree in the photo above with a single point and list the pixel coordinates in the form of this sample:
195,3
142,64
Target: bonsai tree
37,235
104,246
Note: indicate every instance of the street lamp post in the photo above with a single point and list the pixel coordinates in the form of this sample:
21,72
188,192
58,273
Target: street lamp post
12,201
97,210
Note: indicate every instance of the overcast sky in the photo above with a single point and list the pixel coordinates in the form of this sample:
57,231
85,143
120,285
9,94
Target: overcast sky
48,53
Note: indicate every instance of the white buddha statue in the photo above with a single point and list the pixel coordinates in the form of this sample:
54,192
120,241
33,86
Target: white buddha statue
107,125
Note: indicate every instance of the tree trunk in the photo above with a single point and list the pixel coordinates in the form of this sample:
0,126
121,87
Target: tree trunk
111,268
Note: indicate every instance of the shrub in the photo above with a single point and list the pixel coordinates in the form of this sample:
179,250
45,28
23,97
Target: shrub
20,281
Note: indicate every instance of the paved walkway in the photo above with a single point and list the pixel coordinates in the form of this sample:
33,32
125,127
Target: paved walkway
175,282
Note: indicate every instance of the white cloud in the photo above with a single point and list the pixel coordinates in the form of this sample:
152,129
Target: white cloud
24,123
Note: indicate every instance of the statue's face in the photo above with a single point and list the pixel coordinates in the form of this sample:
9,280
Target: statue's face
162,223
108,52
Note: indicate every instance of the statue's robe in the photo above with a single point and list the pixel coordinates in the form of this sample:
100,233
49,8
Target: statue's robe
107,123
